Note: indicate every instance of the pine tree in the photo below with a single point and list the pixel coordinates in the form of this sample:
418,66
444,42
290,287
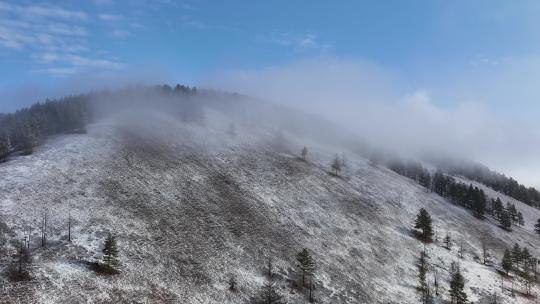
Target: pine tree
457,284
110,251
306,264
525,256
506,220
516,255
269,294
423,222
422,271
304,153
336,165
507,263
497,208
4,146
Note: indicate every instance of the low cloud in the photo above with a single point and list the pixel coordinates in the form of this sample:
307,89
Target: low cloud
384,108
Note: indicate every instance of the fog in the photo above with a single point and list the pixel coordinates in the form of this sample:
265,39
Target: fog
384,108
469,116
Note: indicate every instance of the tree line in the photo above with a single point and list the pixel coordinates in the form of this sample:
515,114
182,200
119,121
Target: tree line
446,186
497,181
26,128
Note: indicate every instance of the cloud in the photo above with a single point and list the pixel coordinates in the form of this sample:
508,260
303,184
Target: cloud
30,11
77,61
382,106
111,17
119,34
298,41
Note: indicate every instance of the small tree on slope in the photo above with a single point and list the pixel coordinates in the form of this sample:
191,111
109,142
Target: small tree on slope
422,271
423,222
306,264
457,284
506,262
110,251
336,165
268,294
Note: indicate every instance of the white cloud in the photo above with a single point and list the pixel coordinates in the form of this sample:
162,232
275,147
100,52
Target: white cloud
77,61
111,17
42,11
298,41
119,34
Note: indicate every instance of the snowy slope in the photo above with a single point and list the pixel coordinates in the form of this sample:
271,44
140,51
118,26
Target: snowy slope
192,205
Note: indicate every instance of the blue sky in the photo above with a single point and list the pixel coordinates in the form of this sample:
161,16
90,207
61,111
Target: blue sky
467,69
47,42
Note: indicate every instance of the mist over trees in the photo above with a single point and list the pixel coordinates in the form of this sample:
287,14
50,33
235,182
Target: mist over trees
26,128
499,182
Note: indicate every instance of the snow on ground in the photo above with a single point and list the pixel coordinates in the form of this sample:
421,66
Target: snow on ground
192,205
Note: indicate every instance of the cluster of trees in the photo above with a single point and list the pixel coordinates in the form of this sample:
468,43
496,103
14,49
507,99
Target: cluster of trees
496,181
469,197
269,294
26,128
507,216
522,263
424,223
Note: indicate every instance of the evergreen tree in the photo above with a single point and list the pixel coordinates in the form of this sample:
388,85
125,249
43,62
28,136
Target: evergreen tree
336,165
304,153
422,271
479,203
423,222
4,145
516,255
507,263
306,264
525,256
506,220
110,251
457,284
497,208
269,294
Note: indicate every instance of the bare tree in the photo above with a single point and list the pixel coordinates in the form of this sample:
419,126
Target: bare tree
44,229
485,253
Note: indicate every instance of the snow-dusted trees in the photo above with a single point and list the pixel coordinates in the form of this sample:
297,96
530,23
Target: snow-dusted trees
506,262
423,287
306,264
4,145
268,294
336,165
423,223
457,284
110,252
505,220
516,255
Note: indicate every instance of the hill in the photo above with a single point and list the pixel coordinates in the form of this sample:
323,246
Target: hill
193,204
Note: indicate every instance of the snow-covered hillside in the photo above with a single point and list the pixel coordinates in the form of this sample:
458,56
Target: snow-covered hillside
192,205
